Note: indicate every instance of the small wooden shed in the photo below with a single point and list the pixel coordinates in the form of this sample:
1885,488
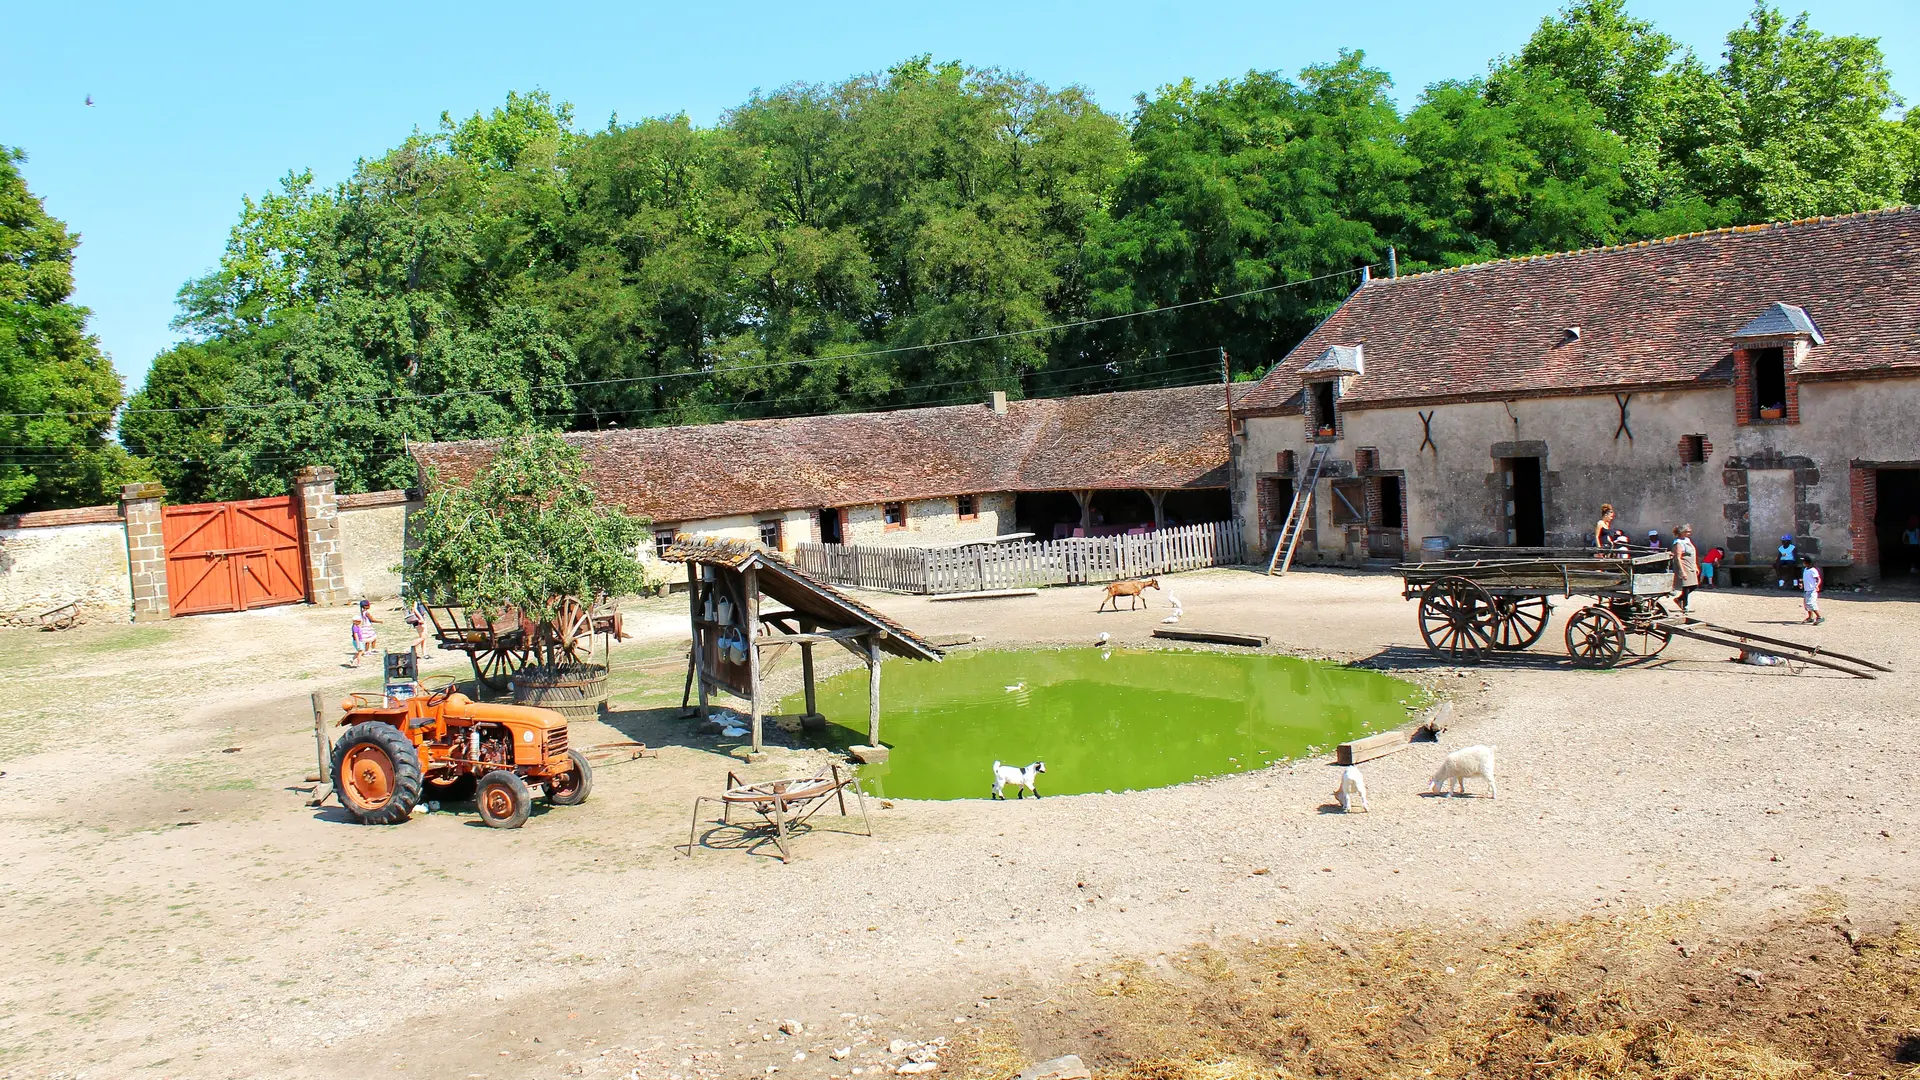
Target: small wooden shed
735,628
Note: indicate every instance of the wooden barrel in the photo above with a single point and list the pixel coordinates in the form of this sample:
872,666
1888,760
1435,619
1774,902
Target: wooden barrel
575,691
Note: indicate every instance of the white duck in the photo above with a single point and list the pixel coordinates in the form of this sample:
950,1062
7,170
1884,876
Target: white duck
1015,688
1102,639
1175,617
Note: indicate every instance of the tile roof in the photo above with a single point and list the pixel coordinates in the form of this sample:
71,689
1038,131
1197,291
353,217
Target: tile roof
1655,314
1339,359
1167,438
1781,320
798,589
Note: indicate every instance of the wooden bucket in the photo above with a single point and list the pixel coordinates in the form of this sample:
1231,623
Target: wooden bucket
575,691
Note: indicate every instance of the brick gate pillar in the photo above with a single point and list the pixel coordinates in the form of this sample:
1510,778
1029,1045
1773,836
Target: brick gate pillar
320,535
146,551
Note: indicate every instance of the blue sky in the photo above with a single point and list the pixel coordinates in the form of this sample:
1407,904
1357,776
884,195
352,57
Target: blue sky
197,104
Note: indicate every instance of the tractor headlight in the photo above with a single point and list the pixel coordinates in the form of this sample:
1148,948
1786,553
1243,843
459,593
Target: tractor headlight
526,735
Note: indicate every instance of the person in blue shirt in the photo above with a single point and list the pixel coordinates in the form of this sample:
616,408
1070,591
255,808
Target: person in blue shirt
1787,566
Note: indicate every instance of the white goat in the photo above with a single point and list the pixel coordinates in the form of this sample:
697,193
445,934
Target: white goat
1470,761
1024,780
1352,785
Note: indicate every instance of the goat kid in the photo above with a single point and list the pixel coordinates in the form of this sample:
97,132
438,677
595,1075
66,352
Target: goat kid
1024,780
1352,786
1471,762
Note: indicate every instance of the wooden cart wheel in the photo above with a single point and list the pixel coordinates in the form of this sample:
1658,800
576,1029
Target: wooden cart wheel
573,627
1522,622
1654,638
494,668
1596,638
1458,617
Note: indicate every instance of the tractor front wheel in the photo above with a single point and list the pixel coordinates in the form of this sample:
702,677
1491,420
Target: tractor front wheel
376,773
572,787
503,799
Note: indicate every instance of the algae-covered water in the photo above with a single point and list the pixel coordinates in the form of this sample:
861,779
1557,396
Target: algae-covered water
1102,721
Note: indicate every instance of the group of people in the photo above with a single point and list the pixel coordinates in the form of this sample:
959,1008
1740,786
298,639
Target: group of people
1692,570
366,639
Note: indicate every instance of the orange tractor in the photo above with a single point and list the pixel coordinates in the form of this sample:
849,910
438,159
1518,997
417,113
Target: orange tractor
400,749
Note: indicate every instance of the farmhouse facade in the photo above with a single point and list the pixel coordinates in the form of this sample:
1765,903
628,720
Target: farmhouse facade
1755,382
1092,464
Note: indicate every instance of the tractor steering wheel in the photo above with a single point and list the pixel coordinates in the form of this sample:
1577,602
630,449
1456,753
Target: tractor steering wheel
437,691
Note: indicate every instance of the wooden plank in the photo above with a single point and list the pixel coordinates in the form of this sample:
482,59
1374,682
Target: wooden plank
1388,742
1704,625
1216,637
1797,654
985,594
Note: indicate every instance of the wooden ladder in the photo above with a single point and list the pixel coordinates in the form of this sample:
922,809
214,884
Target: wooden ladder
1289,537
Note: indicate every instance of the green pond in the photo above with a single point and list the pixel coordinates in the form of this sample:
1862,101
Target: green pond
1101,720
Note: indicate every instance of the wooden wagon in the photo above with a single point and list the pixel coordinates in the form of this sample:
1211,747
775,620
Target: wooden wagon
500,645
1488,602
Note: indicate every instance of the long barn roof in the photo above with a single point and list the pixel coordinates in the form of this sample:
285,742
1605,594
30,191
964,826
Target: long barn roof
1166,438
1657,314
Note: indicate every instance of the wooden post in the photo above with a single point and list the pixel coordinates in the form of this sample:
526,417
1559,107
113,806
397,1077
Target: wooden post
1086,511
806,673
752,579
694,674
320,747
873,689
1159,500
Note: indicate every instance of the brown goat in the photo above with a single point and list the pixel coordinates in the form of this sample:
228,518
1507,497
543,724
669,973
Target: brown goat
1130,589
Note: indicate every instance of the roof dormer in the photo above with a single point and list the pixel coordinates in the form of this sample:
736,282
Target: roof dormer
1766,352
1323,382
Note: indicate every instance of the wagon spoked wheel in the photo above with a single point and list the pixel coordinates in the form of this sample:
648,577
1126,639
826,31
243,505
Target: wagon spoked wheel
1596,638
574,627
1459,618
1522,622
494,668
1654,638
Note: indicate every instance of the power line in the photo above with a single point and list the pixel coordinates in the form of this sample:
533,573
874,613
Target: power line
28,458
710,372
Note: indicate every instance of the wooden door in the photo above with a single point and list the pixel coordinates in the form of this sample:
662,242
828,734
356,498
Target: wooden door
233,556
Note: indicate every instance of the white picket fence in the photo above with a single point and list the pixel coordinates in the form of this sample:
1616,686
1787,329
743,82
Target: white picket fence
1031,564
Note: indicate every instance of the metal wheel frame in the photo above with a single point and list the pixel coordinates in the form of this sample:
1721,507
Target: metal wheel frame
1596,637
1459,618
1519,626
369,766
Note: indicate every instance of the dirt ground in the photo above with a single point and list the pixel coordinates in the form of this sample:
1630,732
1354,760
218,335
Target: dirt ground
171,907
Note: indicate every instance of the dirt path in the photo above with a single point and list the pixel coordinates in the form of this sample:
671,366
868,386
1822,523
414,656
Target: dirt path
173,909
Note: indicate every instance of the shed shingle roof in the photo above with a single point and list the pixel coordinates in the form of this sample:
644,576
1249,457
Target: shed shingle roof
1166,438
1660,313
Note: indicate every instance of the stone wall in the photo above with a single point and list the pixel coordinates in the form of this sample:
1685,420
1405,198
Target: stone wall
46,563
1624,450
930,521
372,529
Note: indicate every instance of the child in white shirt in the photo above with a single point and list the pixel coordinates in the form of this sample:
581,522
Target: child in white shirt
1810,590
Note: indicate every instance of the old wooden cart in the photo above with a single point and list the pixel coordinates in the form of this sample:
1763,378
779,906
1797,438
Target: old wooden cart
501,645
1491,601
1488,600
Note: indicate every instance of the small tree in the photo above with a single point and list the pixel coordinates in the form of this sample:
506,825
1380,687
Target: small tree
525,534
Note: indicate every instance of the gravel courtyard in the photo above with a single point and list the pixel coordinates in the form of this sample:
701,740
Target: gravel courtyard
173,908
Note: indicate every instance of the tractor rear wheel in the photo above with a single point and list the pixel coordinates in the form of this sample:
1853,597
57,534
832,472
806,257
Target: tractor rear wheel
503,799
376,773
572,787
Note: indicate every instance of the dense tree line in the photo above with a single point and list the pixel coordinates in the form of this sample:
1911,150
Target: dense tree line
515,270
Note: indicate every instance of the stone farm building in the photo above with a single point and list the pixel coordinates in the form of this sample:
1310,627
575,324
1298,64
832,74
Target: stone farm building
1755,382
1099,463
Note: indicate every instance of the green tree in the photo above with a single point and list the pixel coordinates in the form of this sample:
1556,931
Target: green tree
1795,123
176,422
58,392
526,533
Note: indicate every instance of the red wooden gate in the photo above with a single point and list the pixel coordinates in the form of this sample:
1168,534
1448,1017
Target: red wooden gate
233,556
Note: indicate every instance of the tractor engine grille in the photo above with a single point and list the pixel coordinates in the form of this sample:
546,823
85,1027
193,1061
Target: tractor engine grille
557,743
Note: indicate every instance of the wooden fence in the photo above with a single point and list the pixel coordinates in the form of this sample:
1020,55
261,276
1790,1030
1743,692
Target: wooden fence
1031,564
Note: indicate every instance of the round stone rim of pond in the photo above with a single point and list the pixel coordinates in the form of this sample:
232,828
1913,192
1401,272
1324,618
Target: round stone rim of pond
1114,720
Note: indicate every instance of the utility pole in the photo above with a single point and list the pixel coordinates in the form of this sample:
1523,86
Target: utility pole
1233,489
